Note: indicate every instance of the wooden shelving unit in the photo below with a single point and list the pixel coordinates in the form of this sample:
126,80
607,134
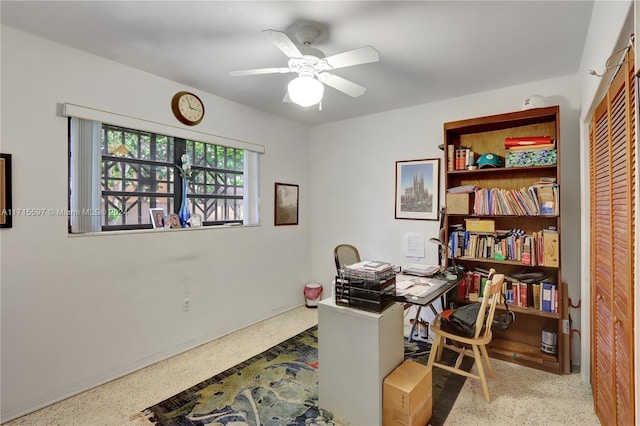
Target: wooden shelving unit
521,343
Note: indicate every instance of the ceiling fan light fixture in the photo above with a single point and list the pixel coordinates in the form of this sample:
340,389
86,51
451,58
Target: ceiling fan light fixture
305,90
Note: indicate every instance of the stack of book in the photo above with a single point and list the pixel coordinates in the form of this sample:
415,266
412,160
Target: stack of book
530,143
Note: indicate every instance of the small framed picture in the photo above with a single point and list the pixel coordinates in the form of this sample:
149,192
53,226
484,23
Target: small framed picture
172,221
286,204
418,189
157,217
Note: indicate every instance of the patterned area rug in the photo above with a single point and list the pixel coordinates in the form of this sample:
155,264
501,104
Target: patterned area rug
275,388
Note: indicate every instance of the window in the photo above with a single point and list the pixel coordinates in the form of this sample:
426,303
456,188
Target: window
118,174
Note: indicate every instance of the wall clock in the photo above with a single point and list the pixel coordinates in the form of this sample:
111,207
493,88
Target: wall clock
188,108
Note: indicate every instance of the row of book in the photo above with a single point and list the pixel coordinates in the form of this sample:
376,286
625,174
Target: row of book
460,158
543,296
538,249
536,200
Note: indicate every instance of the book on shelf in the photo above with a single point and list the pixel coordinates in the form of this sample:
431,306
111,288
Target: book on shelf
526,141
547,199
547,293
524,299
535,292
550,248
527,148
450,157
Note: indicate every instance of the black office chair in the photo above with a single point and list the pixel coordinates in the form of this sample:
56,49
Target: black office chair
345,254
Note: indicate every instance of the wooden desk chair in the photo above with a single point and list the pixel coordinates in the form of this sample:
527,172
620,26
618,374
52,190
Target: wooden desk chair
477,342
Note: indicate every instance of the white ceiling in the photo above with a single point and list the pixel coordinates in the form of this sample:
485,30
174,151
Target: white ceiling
430,50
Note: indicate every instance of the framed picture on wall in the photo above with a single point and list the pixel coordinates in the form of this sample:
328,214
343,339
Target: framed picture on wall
418,189
5,191
286,204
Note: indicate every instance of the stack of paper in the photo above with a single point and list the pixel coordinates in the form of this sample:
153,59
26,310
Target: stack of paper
420,270
418,287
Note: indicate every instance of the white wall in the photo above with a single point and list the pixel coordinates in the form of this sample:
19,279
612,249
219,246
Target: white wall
609,29
353,176
79,311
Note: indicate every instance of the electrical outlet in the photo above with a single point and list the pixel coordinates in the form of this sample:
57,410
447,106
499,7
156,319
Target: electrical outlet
186,305
565,326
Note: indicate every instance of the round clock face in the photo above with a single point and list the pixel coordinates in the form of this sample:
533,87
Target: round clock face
187,108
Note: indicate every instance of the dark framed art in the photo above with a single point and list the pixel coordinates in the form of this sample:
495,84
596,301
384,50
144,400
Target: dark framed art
418,189
286,204
5,191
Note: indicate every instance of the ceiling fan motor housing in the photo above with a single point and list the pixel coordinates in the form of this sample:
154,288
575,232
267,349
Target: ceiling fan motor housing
308,64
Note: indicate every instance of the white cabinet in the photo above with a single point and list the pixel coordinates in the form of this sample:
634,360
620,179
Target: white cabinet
356,351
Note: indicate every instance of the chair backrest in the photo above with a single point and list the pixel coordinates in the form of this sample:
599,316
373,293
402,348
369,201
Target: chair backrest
345,254
490,298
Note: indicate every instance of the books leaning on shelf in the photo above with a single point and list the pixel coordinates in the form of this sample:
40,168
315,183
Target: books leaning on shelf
538,249
536,200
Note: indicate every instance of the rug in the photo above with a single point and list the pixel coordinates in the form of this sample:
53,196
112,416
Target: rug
276,388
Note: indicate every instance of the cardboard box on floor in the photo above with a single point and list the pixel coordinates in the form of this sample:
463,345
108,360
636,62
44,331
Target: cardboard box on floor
406,395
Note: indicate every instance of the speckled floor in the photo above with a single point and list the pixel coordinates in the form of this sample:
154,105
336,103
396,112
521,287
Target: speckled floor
519,395
524,396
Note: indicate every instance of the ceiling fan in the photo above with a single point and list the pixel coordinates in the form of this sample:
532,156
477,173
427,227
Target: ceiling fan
313,67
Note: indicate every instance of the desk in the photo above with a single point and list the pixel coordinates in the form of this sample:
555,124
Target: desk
429,299
356,351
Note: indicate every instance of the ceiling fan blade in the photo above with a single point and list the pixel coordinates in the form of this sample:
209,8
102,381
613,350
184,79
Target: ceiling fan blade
362,55
284,43
259,71
341,84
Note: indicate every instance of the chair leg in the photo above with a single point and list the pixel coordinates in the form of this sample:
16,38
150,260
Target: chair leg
435,346
442,342
483,379
485,354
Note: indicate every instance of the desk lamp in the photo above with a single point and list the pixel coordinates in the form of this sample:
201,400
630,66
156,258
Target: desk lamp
453,269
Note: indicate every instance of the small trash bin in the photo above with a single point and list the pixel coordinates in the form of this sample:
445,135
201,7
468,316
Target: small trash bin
312,293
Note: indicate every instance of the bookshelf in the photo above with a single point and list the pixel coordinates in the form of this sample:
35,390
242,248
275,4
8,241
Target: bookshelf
502,223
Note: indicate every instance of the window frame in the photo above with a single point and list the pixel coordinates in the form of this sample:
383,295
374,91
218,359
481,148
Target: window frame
173,181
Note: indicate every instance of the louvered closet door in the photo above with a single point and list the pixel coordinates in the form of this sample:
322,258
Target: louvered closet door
612,164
